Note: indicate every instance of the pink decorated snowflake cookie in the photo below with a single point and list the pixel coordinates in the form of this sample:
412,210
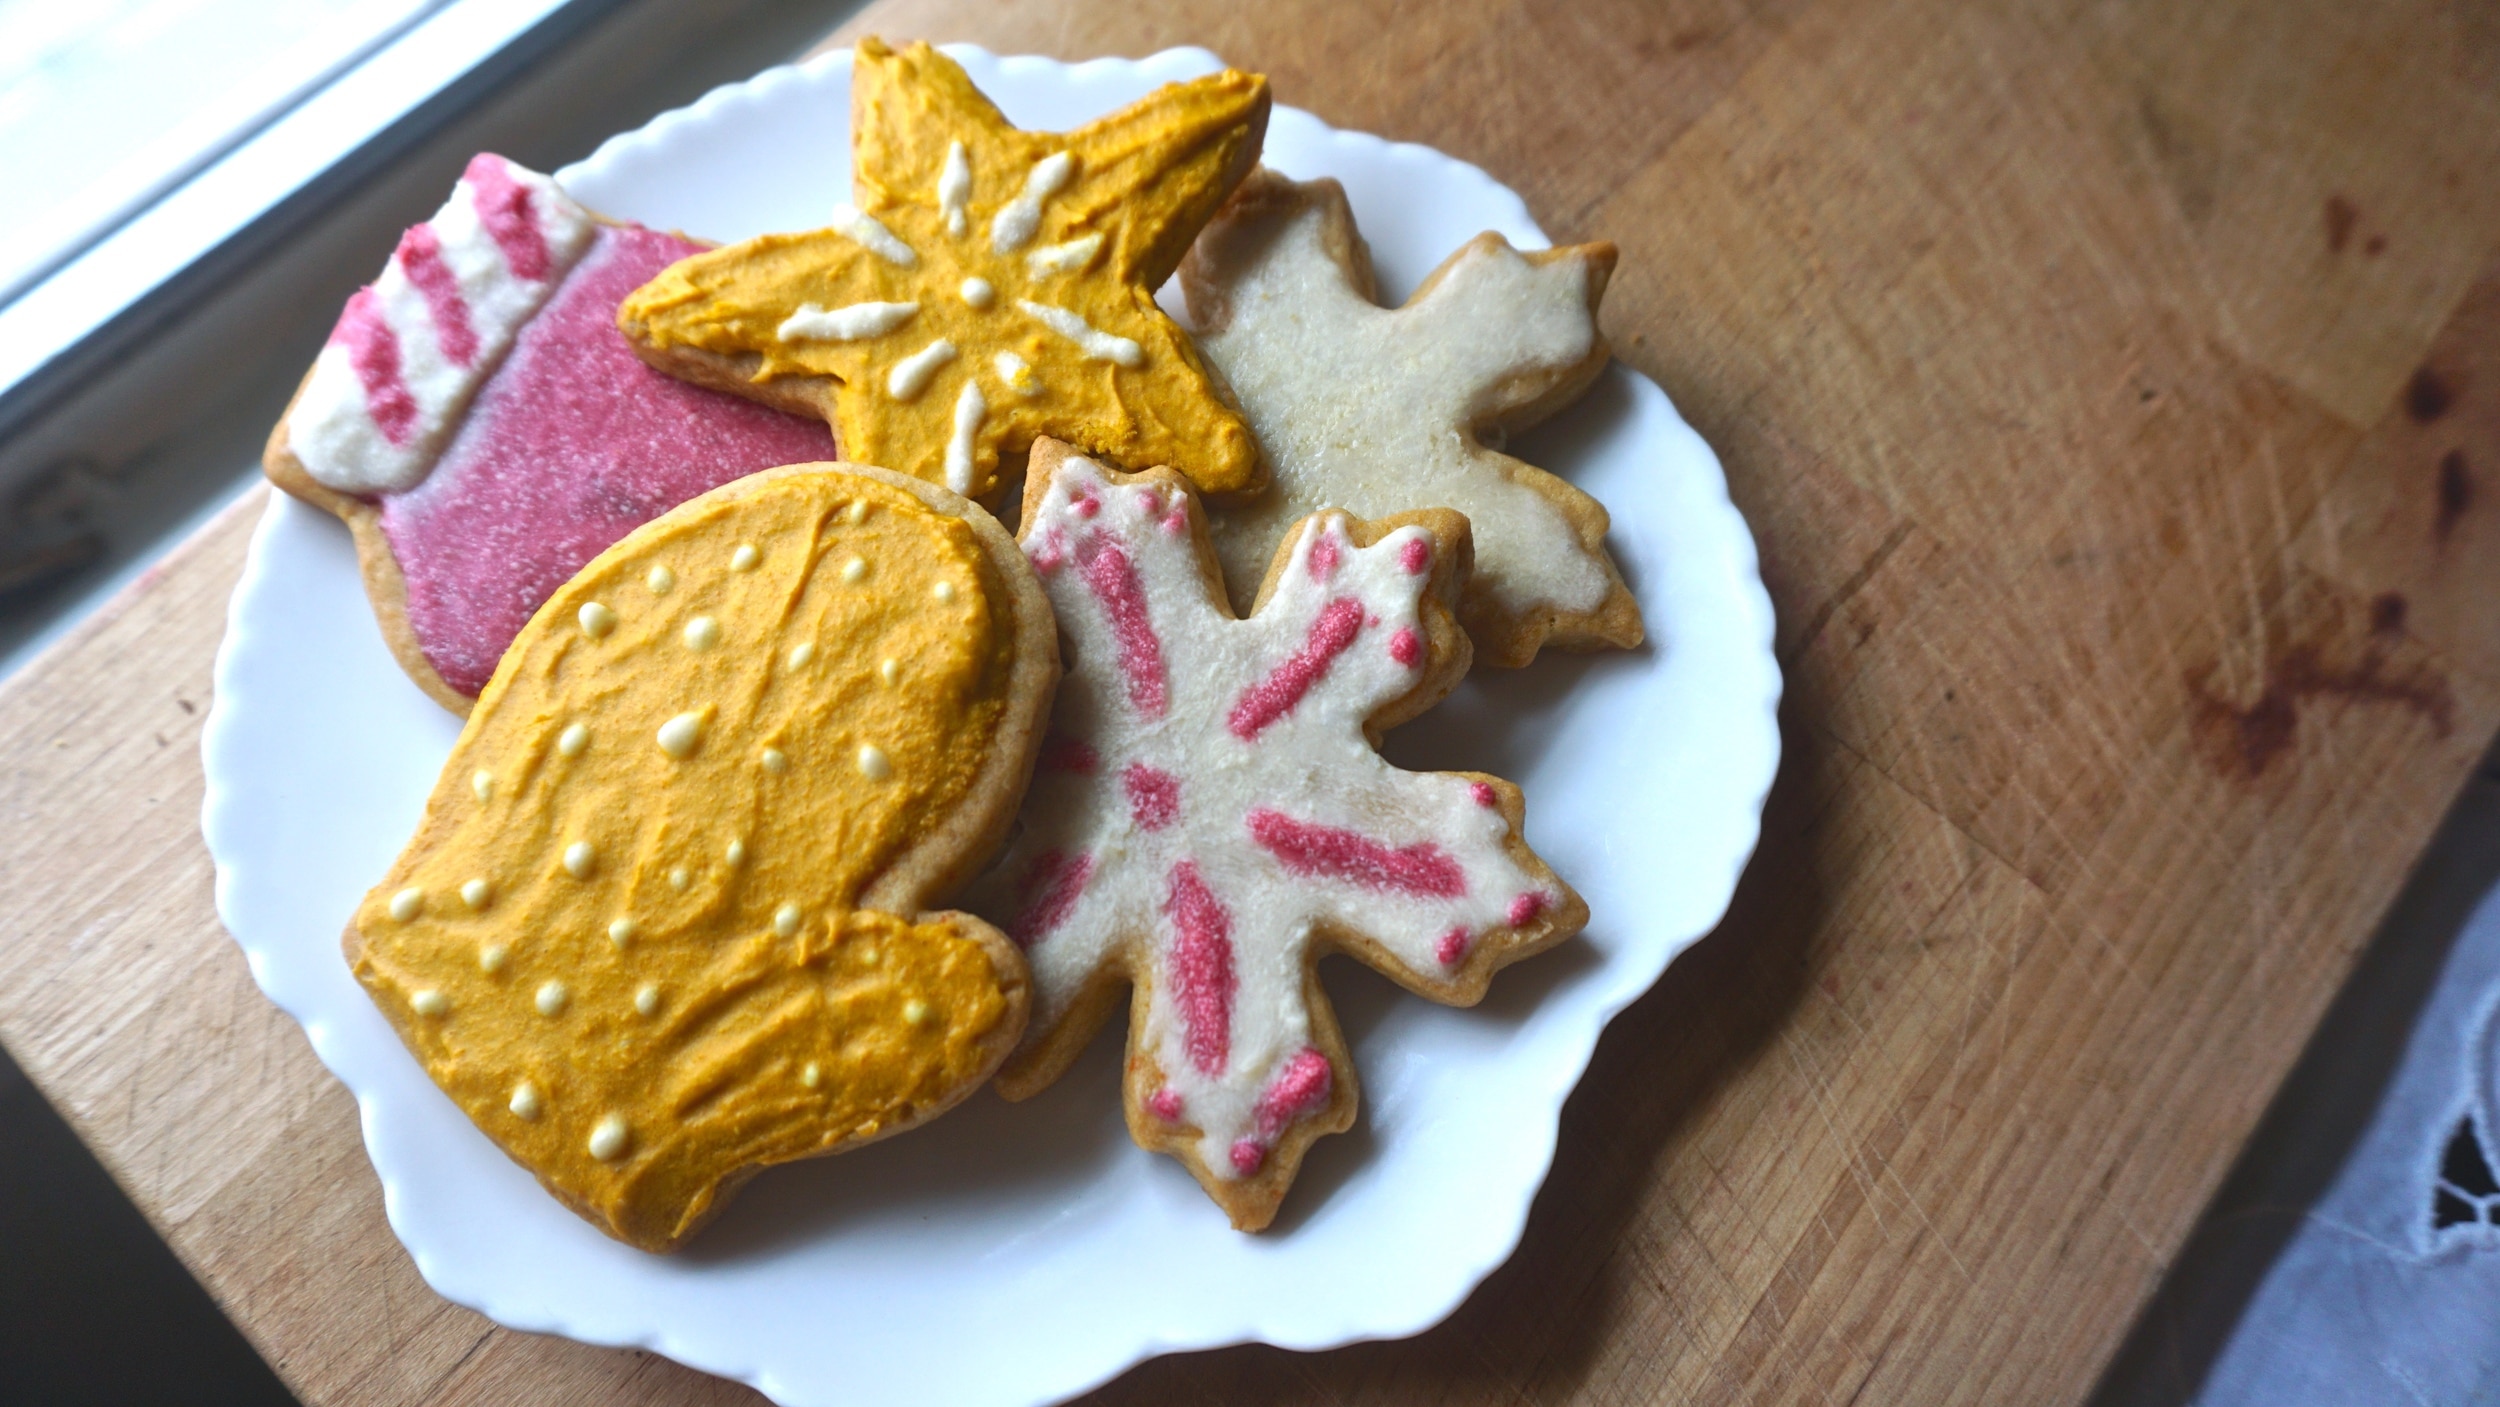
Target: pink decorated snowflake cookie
1210,817
484,429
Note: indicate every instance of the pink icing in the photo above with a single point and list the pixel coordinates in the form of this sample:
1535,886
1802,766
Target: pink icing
1051,888
1113,579
1415,556
1406,647
503,206
1312,851
1165,1104
421,255
1525,908
570,445
1299,1090
1061,753
1323,558
1154,795
1202,967
1452,947
373,350
1482,794
1275,696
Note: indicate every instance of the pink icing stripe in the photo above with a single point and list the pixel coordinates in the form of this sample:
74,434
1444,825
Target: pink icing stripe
1154,795
1422,869
1113,578
1275,696
1203,983
421,258
503,207
1323,558
1052,887
1525,908
1061,753
1297,1093
373,350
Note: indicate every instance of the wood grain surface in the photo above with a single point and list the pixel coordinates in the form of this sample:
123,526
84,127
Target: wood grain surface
2115,389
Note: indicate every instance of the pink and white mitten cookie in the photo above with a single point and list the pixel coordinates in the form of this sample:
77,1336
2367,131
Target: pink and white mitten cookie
1378,410
484,430
1210,817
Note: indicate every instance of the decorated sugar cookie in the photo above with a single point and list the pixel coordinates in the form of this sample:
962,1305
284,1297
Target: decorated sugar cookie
1379,410
484,430
663,923
989,286
1209,818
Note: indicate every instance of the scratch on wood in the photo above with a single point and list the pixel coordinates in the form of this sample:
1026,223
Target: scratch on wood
1851,586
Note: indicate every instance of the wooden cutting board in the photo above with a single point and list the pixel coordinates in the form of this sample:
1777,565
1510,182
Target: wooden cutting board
2115,389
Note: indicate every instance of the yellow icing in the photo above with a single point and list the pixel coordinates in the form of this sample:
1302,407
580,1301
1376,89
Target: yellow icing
675,938
1143,181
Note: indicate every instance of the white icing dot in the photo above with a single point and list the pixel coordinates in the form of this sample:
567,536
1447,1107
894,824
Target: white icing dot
912,374
868,233
476,892
1018,375
812,1076
623,931
814,323
944,591
702,633
597,620
802,654
579,858
786,920
429,1002
491,957
1014,225
916,1012
736,854
746,558
407,903
855,570
954,188
1096,344
679,878
775,761
647,999
660,580
857,513
889,670
572,740
679,735
978,293
1063,258
551,998
971,408
483,783
873,764
607,1141
525,1100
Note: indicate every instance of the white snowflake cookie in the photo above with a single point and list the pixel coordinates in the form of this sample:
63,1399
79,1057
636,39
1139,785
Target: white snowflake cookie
1378,410
1210,817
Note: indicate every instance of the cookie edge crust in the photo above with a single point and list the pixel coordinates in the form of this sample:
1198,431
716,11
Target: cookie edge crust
918,875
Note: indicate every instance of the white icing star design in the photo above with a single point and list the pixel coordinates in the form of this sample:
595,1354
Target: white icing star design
1210,816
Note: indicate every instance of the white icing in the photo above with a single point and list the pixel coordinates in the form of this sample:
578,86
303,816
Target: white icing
978,293
482,782
802,654
855,570
1016,222
429,1002
580,859
1369,409
622,931
526,1101
912,374
1311,764
954,189
873,763
971,407
331,428
746,558
608,1140
1097,345
596,620
647,999
660,580
1063,258
866,231
476,892
679,734
702,633
786,920
551,998
490,959
849,323
407,903
573,739
1017,373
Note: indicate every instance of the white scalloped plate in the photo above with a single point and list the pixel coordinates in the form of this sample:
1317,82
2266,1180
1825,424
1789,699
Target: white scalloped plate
1015,1254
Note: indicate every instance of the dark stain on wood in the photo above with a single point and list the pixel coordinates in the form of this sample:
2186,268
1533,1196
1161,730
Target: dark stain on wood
2456,492
2387,613
2374,246
2247,738
2427,397
2340,216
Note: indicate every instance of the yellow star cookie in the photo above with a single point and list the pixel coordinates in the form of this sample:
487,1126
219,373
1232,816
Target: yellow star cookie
665,921
991,284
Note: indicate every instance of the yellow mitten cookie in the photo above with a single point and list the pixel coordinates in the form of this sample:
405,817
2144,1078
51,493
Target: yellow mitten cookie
662,923
991,284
